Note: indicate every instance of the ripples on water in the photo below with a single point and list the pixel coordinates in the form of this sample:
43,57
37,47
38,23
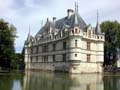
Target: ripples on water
58,81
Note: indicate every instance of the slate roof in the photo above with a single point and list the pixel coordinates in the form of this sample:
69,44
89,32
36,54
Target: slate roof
74,20
45,27
97,29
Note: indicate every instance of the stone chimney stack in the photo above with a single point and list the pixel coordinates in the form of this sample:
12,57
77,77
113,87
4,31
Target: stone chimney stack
54,18
70,12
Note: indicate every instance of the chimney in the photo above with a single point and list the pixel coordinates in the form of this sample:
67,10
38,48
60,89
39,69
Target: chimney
54,18
70,12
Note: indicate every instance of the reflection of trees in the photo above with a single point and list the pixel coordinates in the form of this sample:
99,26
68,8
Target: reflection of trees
5,82
8,79
111,82
62,81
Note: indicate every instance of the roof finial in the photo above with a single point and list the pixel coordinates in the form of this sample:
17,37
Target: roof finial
28,37
76,7
97,29
41,23
47,19
97,17
29,29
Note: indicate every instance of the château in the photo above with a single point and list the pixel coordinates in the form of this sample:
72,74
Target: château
67,44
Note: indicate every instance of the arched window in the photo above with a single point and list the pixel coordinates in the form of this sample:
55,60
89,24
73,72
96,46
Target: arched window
75,43
75,54
97,37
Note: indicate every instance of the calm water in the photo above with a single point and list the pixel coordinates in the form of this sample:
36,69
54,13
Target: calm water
58,81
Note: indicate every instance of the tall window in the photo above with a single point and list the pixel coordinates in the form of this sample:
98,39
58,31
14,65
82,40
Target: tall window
75,43
45,58
31,50
37,49
64,45
31,59
88,45
36,58
54,45
72,31
45,48
64,57
88,57
42,58
53,58
34,50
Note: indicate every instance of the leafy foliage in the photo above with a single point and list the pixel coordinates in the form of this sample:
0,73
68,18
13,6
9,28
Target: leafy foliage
17,61
112,41
7,38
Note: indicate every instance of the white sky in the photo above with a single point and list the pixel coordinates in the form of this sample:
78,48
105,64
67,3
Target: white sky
22,13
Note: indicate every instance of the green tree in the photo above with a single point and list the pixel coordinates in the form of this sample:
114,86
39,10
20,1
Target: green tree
112,41
17,61
7,38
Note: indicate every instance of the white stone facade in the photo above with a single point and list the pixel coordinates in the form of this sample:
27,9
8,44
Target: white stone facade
67,45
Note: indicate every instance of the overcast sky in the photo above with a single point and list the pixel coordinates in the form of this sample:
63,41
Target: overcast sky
22,13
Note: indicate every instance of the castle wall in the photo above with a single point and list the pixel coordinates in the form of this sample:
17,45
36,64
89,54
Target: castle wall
84,67
68,49
74,55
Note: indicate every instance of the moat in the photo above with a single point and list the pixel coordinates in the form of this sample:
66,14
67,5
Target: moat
58,81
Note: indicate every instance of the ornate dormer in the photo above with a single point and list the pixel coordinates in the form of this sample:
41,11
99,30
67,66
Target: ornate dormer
89,30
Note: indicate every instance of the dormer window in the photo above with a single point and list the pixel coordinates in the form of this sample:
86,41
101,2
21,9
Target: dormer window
76,30
72,31
89,33
97,37
63,32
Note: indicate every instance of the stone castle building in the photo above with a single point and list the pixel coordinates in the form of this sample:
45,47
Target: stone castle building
67,44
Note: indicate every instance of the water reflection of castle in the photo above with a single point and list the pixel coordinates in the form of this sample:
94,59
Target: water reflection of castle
52,81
